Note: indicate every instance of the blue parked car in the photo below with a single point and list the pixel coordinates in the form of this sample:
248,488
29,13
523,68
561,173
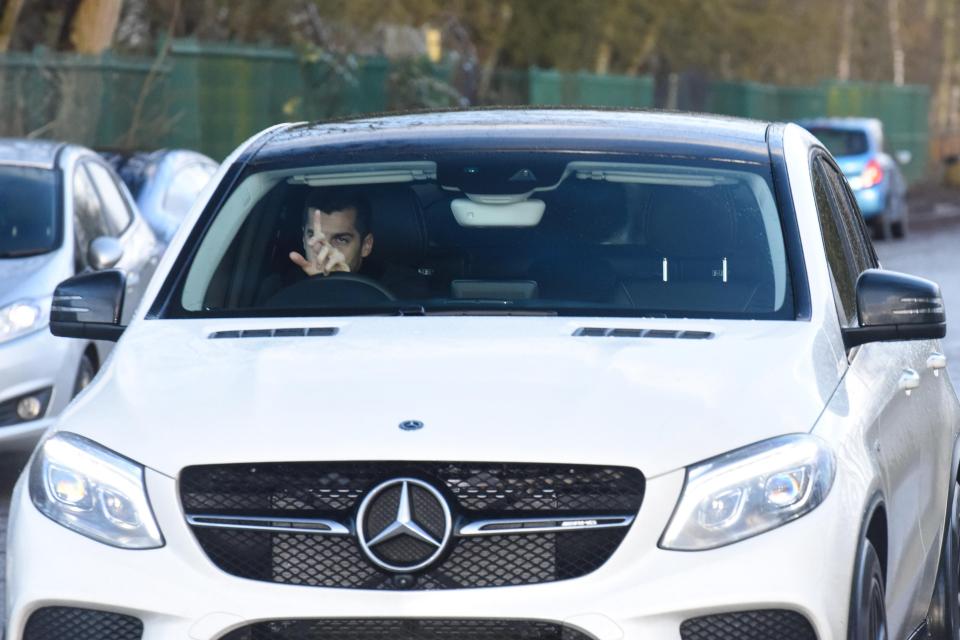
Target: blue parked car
874,176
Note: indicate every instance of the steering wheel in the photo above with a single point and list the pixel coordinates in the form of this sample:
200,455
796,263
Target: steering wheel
336,289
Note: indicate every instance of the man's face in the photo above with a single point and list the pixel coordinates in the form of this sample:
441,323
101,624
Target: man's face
337,229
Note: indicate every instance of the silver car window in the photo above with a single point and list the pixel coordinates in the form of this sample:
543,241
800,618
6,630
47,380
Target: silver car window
115,208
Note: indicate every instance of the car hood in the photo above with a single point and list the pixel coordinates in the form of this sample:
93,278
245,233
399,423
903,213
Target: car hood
30,277
486,389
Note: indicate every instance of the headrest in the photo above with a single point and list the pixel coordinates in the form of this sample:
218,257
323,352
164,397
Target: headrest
398,234
686,222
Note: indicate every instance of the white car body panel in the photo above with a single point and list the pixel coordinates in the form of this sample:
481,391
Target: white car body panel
516,389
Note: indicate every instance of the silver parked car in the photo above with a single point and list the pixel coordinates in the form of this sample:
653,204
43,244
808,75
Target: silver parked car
164,183
62,212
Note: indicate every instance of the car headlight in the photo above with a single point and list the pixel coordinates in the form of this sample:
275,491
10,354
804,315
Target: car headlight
748,491
23,317
93,491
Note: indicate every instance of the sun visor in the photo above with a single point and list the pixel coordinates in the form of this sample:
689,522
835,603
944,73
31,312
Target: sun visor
523,213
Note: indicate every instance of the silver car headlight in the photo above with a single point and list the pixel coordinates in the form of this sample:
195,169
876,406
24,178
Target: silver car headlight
93,491
23,317
749,491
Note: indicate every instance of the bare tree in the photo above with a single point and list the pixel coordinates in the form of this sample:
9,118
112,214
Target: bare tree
896,43
8,20
846,36
93,25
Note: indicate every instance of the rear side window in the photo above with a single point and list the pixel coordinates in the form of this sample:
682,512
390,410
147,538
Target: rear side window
546,233
842,142
115,208
89,223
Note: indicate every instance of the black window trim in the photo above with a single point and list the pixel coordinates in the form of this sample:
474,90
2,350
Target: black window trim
819,154
162,307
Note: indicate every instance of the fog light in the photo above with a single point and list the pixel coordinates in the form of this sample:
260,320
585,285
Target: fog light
29,408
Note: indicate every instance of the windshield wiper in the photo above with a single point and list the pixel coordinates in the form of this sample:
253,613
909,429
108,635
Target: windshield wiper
23,253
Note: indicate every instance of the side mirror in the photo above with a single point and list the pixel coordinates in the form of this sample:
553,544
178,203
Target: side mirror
88,306
903,157
894,306
104,253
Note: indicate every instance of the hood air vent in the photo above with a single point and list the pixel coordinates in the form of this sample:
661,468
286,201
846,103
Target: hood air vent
602,332
311,332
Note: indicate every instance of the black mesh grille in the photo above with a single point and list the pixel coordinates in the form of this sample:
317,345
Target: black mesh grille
406,630
69,623
768,624
337,561
325,488
475,490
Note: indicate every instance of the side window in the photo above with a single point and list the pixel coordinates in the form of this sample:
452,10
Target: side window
863,253
839,254
88,219
115,208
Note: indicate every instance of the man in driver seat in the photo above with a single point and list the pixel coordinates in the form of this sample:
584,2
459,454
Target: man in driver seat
338,237
336,232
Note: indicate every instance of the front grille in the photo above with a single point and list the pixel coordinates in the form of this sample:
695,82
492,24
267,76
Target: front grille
474,491
765,624
71,623
406,630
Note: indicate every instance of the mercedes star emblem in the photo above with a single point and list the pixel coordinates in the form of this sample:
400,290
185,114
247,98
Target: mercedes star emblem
403,525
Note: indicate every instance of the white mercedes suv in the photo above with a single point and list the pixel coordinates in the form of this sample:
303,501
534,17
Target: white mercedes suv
504,375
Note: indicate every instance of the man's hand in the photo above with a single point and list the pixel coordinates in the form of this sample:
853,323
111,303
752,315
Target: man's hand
322,257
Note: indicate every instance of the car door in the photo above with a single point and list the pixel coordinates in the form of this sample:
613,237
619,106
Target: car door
140,251
929,411
878,367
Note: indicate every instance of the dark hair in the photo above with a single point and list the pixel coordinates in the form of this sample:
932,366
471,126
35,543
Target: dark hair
338,199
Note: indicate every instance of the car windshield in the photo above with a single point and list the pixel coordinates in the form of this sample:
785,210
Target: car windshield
28,212
548,233
842,142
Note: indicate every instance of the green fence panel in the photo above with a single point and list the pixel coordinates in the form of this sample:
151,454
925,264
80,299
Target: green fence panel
744,99
546,87
509,87
98,101
549,87
614,91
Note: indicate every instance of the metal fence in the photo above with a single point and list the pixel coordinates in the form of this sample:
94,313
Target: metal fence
212,96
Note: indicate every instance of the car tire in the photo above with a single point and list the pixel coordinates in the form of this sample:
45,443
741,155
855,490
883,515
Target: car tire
943,620
881,226
868,611
85,372
899,227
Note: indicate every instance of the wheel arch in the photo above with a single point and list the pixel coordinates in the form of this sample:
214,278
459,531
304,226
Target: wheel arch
874,528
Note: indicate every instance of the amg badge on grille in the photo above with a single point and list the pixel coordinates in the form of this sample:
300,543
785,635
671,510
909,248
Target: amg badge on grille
404,525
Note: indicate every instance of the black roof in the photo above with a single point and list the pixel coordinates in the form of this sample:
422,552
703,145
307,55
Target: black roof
40,153
516,129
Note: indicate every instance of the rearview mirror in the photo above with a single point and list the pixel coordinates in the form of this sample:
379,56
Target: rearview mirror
104,252
894,306
88,306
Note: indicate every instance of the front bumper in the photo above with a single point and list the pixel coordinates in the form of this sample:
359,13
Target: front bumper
27,364
642,592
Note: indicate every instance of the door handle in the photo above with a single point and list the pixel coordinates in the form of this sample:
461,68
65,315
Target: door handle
937,361
909,380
